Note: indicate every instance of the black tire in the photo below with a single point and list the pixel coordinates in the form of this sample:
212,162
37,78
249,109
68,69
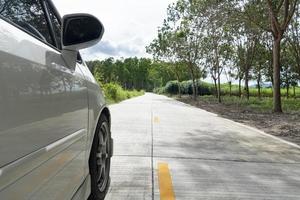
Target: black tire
99,161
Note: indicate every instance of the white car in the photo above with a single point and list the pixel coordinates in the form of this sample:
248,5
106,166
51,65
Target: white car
55,140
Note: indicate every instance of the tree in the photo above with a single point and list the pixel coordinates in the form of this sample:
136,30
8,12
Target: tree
179,38
216,40
294,84
165,46
293,39
289,75
281,13
245,59
273,17
230,75
260,63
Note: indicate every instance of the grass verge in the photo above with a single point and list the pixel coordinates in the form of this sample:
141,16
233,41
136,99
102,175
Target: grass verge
114,93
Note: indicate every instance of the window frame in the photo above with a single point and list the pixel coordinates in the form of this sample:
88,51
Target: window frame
48,21
46,6
33,35
49,7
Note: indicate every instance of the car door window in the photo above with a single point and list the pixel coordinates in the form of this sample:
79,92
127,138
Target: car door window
27,14
56,25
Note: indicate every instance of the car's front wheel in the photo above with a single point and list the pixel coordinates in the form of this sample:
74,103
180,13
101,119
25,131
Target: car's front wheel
99,162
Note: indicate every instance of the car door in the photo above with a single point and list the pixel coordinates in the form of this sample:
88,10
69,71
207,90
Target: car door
43,106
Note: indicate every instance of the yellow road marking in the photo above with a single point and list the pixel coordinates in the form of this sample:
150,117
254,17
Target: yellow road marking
156,120
165,182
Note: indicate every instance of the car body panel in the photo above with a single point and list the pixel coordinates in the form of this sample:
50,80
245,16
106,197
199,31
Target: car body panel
84,190
42,100
48,118
57,178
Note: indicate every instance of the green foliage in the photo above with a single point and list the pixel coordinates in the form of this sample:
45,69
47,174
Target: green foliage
133,73
160,90
200,38
205,88
232,39
114,93
172,88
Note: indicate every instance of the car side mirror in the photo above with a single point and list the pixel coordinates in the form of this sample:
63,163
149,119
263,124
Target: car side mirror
79,31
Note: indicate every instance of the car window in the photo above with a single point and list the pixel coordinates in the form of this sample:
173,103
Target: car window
29,15
56,25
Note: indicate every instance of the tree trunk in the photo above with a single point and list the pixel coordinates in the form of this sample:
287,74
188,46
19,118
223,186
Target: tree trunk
258,84
216,87
258,88
194,89
179,86
287,90
240,87
247,83
230,86
277,108
219,88
179,89
194,83
219,75
197,86
294,88
287,83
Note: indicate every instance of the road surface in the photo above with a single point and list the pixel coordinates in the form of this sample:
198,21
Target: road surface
209,157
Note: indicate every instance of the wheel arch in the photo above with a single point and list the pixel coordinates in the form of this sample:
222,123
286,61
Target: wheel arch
105,111
93,126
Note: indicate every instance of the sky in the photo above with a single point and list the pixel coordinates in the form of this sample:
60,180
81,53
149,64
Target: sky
130,25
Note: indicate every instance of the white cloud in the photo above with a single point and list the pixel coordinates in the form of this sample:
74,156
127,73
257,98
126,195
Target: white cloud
130,25
108,49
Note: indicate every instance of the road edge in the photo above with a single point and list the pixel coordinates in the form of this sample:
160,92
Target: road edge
245,126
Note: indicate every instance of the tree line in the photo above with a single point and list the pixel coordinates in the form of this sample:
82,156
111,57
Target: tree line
243,40
135,73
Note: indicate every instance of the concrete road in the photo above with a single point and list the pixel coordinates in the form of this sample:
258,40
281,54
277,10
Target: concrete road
209,157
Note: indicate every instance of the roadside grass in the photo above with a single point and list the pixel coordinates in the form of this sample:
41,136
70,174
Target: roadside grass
114,93
262,105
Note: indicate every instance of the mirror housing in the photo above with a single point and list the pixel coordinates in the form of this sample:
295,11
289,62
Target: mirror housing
80,31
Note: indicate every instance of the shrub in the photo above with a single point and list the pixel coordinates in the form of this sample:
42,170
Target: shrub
205,89
111,90
159,90
172,87
187,87
115,93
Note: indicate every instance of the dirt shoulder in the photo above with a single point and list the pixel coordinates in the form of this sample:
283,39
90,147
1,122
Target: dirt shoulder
285,126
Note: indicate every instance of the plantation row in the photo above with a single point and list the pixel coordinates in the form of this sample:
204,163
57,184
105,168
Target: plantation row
243,41
204,88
